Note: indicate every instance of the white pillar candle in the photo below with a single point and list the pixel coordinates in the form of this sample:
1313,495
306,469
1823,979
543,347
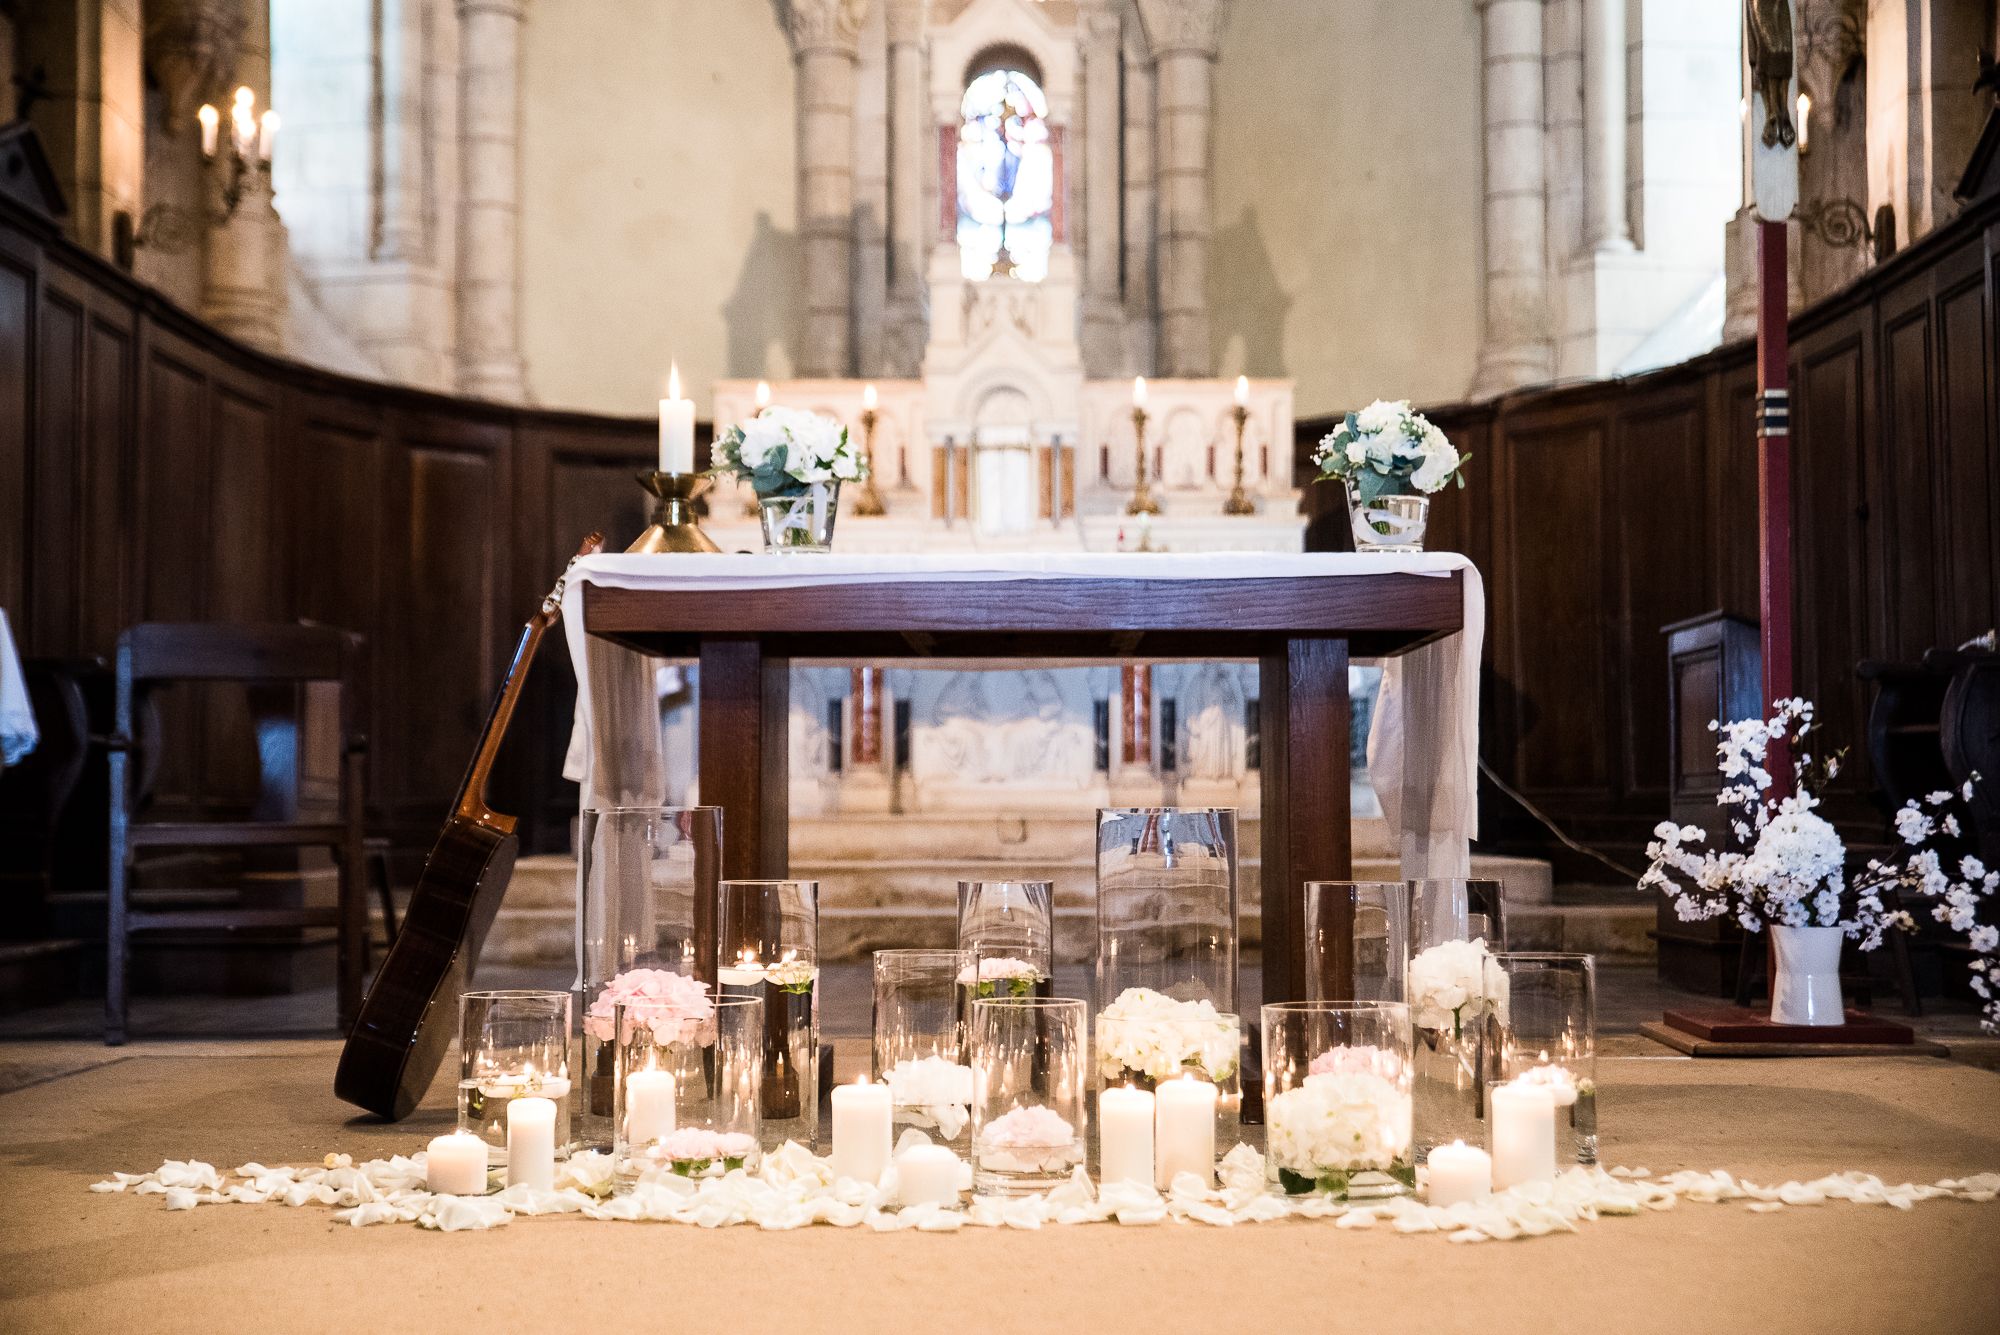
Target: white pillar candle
1521,1118
1459,1172
211,129
927,1175
676,427
1125,1136
531,1143
649,1106
1184,1130
861,1131
267,135
455,1165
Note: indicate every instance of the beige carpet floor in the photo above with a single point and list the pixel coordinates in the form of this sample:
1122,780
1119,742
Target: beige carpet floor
74,1261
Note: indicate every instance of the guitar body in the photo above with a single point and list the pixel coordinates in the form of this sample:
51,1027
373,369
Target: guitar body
408,1017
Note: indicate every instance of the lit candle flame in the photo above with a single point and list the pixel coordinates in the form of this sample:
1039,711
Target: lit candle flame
673,380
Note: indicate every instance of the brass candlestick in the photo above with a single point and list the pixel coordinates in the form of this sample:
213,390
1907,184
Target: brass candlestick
1239,502
675,527
1142,502
870,502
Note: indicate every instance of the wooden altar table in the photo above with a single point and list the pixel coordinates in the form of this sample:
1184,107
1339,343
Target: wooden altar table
1300,617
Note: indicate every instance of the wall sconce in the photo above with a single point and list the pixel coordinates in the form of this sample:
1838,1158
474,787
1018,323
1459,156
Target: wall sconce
251,139
1803,119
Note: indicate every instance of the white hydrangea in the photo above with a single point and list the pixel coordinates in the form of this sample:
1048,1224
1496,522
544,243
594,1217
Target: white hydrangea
1339,1123
1151,1036
1449,985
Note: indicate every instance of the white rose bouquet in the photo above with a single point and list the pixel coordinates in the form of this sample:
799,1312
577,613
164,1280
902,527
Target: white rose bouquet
1789,868
1450,986
1333,1126
783,451
1387,450
1146,1037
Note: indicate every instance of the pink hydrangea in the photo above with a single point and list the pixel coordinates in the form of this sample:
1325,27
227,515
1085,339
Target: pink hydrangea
675,1007
1358,1059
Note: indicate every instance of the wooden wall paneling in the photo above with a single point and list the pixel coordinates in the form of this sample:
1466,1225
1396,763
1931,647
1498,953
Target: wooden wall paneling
104,561
1909,505
51,522
1966,555
19,268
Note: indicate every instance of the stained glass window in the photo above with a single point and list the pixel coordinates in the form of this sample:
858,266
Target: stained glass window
1006,178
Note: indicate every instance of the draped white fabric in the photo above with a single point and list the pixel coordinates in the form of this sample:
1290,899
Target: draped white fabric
1423,748
18,734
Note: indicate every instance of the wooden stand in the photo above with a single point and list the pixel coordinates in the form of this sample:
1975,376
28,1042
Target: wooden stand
1737,1031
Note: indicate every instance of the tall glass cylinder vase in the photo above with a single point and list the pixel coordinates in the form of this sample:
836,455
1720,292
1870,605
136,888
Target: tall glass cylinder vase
768,946
919,1042
1337,1098
513,1043
1357,940
1166,904
1454,1050
646,879
687,1074
1545,1020
1029,1093
1007,940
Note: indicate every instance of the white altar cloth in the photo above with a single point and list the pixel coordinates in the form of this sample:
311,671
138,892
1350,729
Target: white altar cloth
1423,747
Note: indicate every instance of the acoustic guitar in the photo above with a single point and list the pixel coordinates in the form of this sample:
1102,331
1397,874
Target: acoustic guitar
406,1021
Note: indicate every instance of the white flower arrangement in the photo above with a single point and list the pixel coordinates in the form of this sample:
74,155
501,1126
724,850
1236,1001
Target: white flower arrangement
694,1151
783,451
1333,1126
1017,977
1450,986
933,1092
1790,867
1031,1139
1147,1036
1386,450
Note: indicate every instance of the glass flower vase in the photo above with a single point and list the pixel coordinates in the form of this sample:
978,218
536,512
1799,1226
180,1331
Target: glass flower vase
687,1074
1029,1093
1453,1053
767,936
1357,940
800,521
1389,523
513,1043
919,1043
1545,1022
1006,941
1337,1099
1166,904
646,877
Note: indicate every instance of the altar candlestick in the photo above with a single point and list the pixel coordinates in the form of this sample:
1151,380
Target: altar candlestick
1522,1118
861,1131
455,1165
927,1175
1184,1130
531,1143
1125,1136
649,1105
676,427
1459,1172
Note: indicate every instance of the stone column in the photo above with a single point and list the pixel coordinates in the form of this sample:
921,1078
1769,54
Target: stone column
1142,334
1135,716
1515,347
1184,35
1605,225
1097,224
823,34
92,116
912,150
489,260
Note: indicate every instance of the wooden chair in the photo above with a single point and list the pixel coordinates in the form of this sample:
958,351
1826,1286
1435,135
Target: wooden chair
267,656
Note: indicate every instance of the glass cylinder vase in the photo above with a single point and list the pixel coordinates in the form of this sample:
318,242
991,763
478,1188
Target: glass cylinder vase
1545,1023
800,521
1452,930
1388,523
919,1042
1006,940
687,1075
513,1043
767,936
1337,1098
1029,1093
1166,904
1357,940
646,879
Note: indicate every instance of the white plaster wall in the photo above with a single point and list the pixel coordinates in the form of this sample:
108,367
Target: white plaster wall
1347,198
657,194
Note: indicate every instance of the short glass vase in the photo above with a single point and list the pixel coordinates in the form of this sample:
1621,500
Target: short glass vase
919,1043
687,1084
1388,523
800,521
768,947
1337,1101
1029,1098
513,1044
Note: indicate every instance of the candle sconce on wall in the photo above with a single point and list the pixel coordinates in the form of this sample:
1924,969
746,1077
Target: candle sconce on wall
247,152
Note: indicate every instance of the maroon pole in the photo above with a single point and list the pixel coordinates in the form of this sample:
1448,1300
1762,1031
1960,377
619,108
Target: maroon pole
1774,478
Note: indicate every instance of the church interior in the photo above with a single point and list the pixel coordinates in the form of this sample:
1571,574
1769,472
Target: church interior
881,572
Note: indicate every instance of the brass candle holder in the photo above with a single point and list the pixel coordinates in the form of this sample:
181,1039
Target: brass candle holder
1239,502
870,501
1142,502
675,528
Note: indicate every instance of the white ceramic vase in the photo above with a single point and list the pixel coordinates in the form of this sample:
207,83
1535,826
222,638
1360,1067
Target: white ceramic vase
1806,989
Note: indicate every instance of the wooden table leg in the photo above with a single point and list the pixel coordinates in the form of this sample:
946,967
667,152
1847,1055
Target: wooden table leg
1303,742
744,749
